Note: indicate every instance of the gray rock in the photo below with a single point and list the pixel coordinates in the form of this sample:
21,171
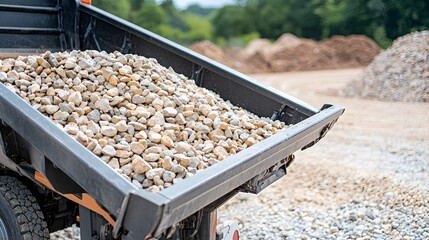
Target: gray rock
155,172
94,115
109,150
168,176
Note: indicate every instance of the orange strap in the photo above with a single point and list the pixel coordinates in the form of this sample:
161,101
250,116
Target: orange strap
86,1
86,201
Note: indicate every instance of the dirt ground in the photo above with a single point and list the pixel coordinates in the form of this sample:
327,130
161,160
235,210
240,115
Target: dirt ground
375,151
373,136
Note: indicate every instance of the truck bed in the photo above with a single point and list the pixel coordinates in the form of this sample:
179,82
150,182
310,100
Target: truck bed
71,168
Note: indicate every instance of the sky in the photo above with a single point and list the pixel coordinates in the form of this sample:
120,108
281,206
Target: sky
181,4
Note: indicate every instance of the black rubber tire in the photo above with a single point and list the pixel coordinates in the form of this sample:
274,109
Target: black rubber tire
20,211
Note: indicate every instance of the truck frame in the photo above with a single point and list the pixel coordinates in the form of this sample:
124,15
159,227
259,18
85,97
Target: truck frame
67,184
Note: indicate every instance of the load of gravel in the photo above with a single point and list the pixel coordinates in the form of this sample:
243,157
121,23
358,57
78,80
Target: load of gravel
401,73
152,125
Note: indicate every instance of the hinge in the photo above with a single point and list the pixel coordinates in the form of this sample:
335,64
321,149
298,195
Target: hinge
323,133
90,33
267,177
197,74
126,45
283,114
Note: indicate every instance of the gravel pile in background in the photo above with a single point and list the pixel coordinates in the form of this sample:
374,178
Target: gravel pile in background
401,73
152,125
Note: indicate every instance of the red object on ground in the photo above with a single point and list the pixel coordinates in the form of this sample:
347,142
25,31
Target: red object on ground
236,235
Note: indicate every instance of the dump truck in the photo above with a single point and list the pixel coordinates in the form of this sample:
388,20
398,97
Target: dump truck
49,181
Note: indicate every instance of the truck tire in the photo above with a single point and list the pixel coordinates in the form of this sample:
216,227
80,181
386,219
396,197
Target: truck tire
20,215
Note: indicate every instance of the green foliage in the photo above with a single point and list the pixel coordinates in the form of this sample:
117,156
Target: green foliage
382,20
345,17
199,28
381,38
405,16
150,16
270,18
236,25
246,38
237,41
120,8
293,16
171,33
198,10
232,21
135,4
331,14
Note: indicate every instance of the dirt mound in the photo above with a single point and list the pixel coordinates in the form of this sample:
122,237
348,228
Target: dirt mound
287,40
290,53
256,46
209,50
401,73
229,57
304,56
351,51
336,52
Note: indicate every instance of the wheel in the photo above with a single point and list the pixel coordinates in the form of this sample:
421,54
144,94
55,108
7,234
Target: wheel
20,215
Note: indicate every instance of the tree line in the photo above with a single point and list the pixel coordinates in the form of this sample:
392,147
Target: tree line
235,25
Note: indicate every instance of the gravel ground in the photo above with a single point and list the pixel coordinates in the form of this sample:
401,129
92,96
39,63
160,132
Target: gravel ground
404,162
70,233
327,202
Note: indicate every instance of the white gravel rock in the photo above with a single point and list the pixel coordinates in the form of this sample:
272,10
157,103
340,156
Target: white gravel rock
139,165
76,98
70,233
121,126
109,131
51,109
169,112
